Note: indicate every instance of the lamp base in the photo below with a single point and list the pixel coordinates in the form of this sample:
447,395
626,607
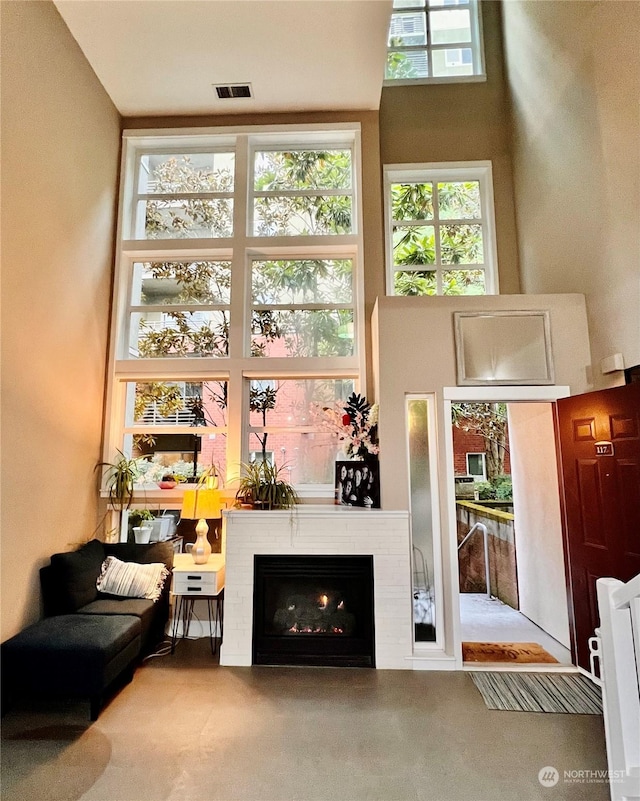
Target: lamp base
201,550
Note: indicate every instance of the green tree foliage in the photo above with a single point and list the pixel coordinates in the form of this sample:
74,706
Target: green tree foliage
416,229
313,332
188,217
490,421
399,66
304,214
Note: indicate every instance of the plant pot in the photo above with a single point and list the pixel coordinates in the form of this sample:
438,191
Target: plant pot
167,484
161,529
142,534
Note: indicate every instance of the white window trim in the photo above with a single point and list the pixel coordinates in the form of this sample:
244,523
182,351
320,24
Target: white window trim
480,171
239,366
476,45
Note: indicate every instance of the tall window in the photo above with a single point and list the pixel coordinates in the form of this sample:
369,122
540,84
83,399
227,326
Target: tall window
440,229
434,40
238,310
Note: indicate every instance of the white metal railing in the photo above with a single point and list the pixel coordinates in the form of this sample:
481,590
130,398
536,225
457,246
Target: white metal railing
617,648
485,536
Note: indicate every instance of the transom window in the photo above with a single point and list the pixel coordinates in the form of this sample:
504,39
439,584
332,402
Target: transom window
440,229
238,307
434,40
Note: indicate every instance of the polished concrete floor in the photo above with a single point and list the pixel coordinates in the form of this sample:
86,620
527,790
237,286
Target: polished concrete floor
485,619
186,729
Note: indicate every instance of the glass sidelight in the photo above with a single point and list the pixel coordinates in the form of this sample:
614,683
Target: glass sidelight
424,514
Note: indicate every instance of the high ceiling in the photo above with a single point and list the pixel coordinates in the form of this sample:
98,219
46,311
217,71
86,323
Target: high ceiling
161,57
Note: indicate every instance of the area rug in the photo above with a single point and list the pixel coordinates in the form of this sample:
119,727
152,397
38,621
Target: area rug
539,692
514,652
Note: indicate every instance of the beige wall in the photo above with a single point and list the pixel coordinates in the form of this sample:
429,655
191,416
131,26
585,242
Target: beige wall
538,526
574,75
416,354
460,122
60,145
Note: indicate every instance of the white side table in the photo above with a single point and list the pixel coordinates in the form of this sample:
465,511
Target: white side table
192,581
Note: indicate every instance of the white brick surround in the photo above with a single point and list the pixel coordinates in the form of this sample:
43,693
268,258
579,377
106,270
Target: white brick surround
323,530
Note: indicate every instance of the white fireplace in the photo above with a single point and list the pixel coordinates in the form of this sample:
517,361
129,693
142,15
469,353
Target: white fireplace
328,531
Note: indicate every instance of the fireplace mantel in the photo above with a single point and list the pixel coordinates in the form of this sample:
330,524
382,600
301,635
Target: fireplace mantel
322,530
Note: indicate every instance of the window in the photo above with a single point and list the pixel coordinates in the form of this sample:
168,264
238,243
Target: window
477,466
238,307
440,229
285,420
434,41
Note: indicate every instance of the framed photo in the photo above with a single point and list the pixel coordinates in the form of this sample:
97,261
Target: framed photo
503,347
358,484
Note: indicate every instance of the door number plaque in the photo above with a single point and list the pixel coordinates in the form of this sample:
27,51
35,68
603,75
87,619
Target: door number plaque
604,448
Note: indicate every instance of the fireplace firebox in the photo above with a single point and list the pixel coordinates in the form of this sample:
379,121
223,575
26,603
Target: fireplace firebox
313,610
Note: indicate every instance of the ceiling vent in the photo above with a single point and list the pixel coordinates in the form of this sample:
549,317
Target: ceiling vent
229,91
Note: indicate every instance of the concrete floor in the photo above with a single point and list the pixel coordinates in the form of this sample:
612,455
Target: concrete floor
186,729
489,620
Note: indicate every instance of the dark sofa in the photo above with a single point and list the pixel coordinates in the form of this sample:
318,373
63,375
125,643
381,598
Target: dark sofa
87,641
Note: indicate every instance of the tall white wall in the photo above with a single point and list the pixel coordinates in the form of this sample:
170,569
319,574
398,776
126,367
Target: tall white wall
573,71
60,146
538,525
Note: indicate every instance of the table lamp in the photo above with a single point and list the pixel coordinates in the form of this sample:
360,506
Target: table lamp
199,504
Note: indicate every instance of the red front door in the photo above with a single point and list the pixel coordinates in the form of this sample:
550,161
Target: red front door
599,449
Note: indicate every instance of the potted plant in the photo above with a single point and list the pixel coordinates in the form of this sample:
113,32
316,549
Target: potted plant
262,488
119,478
168,481
141,528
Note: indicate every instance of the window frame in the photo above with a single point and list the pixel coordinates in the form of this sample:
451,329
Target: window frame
439,172
240,249
476,45
483,459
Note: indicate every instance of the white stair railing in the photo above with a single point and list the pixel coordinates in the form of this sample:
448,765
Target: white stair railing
617,648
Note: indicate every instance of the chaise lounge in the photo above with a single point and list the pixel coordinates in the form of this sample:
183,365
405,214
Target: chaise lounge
89,640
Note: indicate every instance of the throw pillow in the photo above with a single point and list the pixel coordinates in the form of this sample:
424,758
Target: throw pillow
132,580
76,573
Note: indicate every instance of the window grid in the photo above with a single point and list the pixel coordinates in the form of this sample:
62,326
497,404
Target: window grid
435,174
423,52
240,250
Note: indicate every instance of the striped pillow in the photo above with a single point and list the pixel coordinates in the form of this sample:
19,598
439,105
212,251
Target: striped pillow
132,580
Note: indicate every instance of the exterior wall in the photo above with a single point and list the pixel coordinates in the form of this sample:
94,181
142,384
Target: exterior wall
465,442
60,146
460,122
574,77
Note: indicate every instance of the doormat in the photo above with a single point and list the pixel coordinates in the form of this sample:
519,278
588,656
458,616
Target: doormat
539,692
516,653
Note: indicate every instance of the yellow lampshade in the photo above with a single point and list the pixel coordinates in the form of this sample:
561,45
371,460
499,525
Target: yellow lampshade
201,503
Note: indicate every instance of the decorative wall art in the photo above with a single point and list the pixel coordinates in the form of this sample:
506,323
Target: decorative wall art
503,347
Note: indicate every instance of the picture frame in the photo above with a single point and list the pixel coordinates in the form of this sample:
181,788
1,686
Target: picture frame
503,348
357,483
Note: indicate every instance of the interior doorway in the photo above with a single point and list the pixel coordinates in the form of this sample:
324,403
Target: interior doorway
506,530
